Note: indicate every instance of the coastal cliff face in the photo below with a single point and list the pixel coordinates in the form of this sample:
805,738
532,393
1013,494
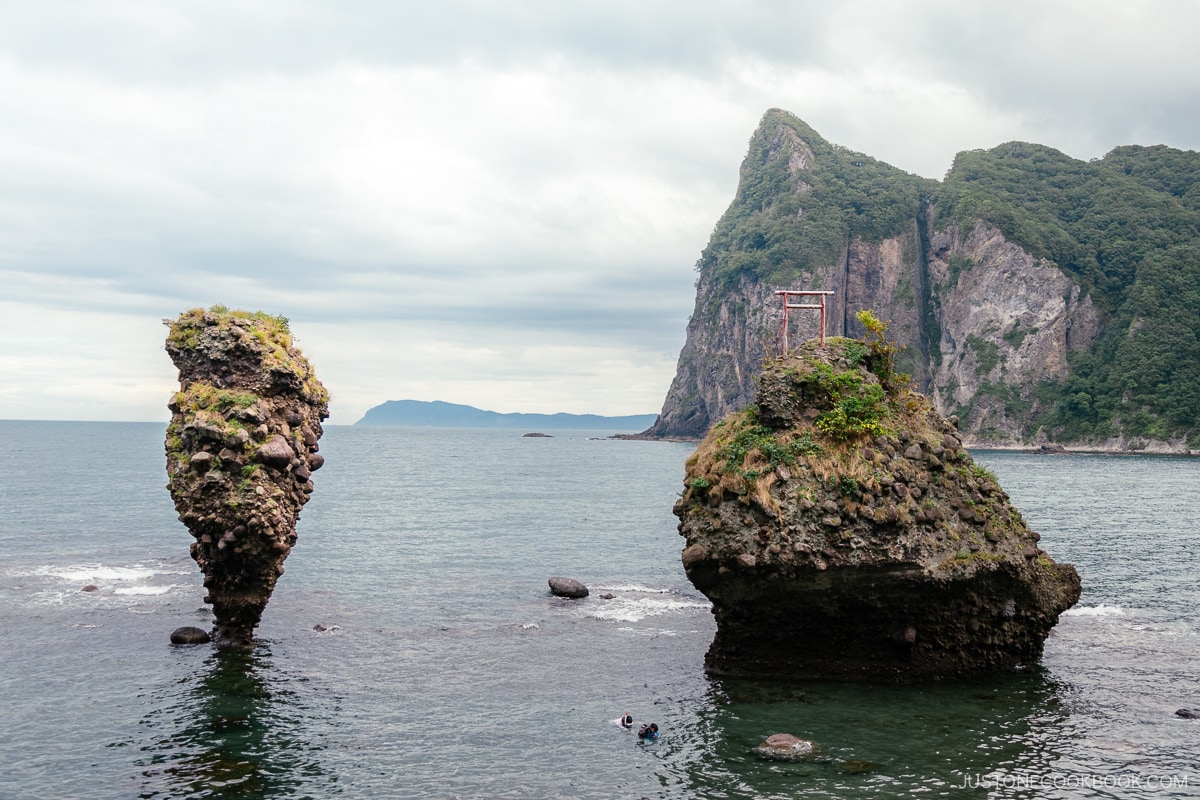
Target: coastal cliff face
241,449
728,335
1023,349
735,328
1008,322
842,531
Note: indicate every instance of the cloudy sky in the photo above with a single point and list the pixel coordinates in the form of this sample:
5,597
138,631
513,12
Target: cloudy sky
492,203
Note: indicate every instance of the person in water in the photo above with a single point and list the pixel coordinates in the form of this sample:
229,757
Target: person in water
648,732
624,721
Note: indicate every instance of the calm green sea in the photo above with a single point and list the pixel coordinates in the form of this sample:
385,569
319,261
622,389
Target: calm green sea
446,670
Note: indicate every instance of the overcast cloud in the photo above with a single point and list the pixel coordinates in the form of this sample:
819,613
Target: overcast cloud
489,203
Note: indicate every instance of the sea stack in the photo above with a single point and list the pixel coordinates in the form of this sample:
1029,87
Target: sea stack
842,532
241,449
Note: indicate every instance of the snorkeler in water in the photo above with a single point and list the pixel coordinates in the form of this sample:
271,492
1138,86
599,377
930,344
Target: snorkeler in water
624,721
648,732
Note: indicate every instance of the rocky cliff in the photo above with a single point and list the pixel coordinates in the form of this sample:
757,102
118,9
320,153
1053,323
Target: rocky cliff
1014,315
842,531
241,449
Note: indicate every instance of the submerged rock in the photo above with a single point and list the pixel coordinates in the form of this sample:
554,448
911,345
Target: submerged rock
841,531
785,747
567,587
241,449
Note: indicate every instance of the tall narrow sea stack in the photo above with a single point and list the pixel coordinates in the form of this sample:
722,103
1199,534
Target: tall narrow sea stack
241,449
841,531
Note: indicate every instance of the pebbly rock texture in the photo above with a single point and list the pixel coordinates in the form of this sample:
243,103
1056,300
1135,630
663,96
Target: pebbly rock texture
241,449
841,531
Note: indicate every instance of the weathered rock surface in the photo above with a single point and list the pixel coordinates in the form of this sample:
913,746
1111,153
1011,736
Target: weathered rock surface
241,449
841,531
567,587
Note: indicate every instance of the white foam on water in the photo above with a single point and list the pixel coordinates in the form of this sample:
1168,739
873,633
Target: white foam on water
650,632
129,585
143,589
96,573
1102,610
632,588
635,609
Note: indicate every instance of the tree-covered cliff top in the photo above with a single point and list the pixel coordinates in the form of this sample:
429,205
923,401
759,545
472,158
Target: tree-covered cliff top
1127,227
800,199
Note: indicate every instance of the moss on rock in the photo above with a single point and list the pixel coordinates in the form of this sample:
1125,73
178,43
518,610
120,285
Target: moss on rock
841,530
245,389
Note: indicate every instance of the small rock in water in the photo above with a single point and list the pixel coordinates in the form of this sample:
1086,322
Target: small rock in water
567,587
608,596
91,587
784,747
189,635
538,436
1188,713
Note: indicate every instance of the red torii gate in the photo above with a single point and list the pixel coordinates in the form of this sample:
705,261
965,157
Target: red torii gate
787,294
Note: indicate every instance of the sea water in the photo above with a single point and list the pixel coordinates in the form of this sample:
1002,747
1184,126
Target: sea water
412,648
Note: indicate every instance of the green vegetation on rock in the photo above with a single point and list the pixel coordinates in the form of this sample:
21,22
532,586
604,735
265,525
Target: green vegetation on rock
811,538
825,402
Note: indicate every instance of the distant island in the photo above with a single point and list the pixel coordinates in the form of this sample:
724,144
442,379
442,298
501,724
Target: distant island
436,414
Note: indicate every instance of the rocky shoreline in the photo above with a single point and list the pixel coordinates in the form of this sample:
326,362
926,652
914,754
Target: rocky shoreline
1153,448
1079,450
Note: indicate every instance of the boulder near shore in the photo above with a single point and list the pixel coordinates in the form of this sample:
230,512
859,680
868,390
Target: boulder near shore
842,531
567,587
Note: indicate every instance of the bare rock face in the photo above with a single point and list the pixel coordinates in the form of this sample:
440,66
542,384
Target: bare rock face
241,449
841,531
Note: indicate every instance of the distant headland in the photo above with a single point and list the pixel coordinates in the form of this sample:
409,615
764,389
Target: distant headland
436,414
